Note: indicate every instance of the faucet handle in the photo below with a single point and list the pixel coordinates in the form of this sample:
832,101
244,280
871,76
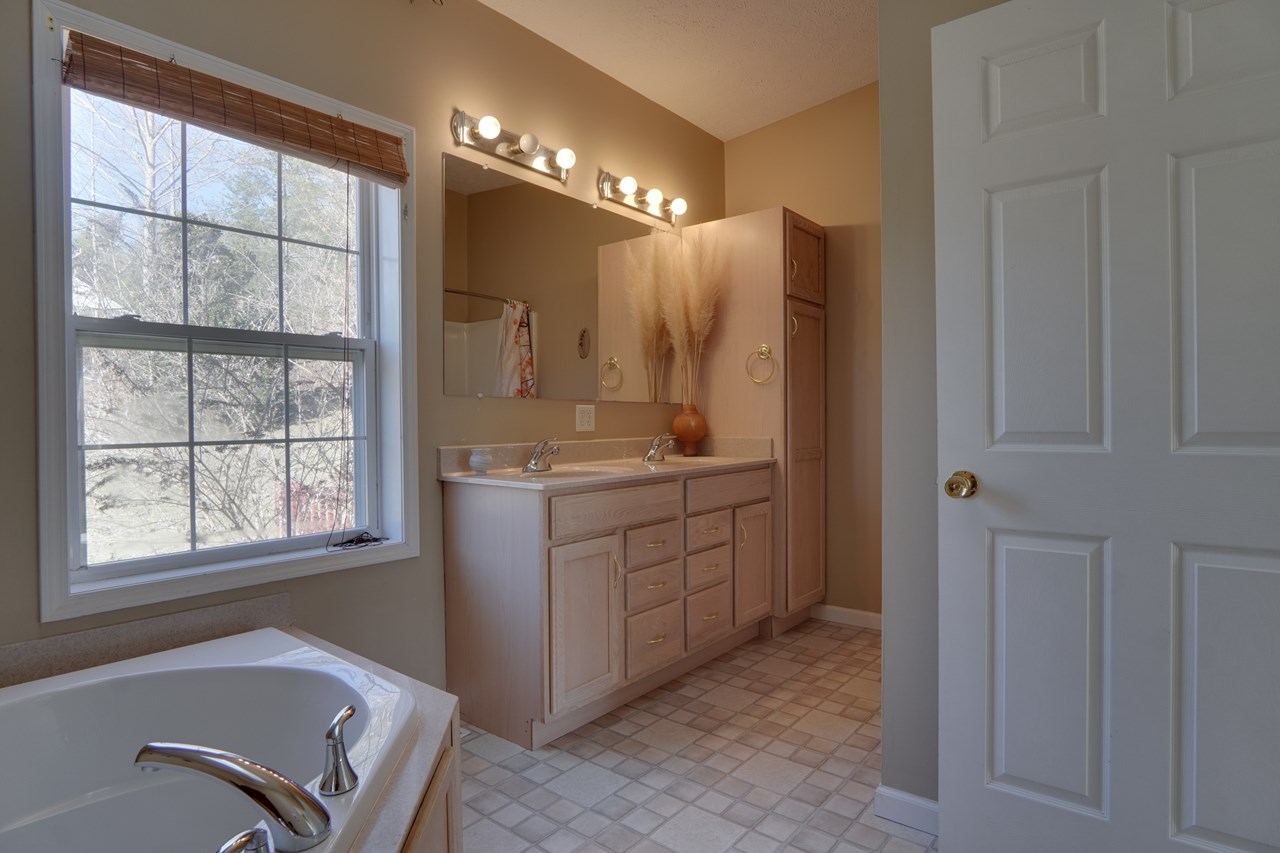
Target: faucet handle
250,841
338,776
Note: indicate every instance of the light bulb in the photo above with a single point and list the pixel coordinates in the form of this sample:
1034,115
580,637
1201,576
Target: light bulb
528,143
565,158
628,185
679,206
653,197
488,127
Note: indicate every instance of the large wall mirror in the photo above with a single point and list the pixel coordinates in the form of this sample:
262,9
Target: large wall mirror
506,239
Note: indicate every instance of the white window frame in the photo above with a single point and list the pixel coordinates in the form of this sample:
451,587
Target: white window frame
393,441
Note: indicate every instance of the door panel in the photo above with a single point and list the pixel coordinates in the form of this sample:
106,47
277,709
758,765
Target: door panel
1226,204
1049,356
1107,250
806,573
752,562
586,621
1226,631
1047,720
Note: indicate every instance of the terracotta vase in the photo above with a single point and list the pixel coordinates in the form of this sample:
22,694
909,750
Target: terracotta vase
689,426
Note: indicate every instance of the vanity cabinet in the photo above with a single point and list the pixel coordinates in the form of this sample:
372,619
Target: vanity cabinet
764,375
565,602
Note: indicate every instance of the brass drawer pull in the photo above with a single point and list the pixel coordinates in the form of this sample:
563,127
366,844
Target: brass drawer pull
710,530
658,585
711,568
711,617
659,639
657,544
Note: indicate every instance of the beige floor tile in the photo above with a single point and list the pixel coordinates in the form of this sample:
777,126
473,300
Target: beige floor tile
775,746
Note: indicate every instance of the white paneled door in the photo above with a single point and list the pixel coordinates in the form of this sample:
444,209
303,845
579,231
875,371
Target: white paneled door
1108,268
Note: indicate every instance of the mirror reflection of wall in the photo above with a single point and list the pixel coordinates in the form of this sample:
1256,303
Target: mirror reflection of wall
510,239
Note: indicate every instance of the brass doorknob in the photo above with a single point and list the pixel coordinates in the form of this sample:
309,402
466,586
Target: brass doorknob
961,484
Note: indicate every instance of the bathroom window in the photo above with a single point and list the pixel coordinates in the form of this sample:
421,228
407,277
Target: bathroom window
226,344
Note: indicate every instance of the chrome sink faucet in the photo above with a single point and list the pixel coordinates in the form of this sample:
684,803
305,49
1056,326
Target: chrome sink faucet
295,819
658,447
539,460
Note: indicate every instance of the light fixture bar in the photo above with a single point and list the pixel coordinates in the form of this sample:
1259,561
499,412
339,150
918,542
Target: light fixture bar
627,192
486,134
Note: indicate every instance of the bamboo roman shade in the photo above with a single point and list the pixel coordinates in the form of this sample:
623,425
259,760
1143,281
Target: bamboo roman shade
116,72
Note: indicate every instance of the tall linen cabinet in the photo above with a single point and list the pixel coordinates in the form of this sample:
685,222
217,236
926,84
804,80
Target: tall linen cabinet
775,287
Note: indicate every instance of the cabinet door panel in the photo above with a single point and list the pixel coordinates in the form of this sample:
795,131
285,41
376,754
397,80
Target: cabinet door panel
586,621
752,562
806,442
805,262
435,828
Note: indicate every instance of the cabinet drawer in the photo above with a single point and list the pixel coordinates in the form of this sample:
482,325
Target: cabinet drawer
709,613
708,567
654,638
712,528
608,510
648,587
727,489
655,543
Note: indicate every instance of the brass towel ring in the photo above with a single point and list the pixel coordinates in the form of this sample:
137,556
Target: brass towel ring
764,353
608,380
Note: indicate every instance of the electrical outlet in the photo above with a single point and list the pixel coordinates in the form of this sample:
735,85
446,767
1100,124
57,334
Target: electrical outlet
586,418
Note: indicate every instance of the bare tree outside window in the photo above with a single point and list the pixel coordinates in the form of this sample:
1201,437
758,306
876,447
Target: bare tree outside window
190,437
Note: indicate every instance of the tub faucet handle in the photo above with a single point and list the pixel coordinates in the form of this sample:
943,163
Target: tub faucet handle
249,841
338,777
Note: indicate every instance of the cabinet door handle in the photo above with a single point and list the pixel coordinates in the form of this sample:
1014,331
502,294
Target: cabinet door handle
795,268
743,543
658,585
795,326
617,570
711,617
708,531
657,544
711,568
661,638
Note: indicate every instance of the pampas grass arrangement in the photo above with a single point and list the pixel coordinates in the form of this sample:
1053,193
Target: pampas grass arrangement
673,287
689,297
642,267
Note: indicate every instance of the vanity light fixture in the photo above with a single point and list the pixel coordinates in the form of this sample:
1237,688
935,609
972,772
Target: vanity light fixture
627,191
486,134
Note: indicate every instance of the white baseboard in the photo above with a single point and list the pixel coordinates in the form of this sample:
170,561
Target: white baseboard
907,809
846,616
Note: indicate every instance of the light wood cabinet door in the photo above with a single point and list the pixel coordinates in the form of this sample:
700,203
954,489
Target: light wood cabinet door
436,827
806,445
752,562
586,601
805,259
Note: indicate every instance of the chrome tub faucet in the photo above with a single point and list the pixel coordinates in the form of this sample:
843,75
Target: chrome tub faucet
295,819
539,460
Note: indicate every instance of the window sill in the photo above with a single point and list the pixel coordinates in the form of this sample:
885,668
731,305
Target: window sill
99,596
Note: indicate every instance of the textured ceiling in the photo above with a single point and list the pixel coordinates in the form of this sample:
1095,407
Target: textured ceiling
727,66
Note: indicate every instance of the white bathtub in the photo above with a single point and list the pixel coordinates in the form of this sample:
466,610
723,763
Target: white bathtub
67,744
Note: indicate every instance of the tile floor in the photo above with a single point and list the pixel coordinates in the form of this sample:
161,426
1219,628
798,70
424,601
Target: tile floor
774,746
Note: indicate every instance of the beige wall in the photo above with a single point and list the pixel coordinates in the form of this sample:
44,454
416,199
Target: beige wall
824,163
414,63
910,502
